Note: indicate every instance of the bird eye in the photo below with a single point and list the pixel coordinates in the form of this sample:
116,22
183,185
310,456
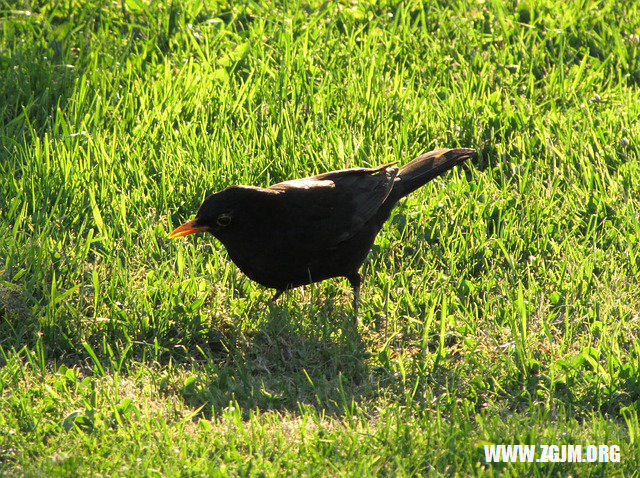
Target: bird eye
223,220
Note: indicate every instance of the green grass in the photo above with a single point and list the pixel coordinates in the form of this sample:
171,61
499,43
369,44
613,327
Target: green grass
500,304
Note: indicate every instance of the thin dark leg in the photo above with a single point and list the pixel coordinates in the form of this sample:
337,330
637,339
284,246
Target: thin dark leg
277,294
355,279
356,301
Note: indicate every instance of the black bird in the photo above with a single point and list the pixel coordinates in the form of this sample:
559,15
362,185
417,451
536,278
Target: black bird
311,229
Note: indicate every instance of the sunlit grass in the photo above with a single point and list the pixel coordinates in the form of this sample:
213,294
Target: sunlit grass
500,302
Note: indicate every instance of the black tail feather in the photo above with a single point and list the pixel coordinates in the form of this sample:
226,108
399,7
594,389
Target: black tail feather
424,168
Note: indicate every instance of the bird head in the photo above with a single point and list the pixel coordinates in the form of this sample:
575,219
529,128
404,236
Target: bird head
216,215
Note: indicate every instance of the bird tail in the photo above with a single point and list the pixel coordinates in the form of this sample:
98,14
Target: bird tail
424,168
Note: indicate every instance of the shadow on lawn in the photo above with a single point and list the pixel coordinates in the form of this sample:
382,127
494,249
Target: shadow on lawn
35,83
284,365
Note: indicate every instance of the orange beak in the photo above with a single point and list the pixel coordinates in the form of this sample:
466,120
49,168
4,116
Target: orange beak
186,229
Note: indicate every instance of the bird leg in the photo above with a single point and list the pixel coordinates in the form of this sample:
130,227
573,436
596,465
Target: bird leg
277,294
355,279
356,300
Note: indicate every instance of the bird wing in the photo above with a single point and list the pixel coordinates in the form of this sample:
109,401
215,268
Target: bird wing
322,211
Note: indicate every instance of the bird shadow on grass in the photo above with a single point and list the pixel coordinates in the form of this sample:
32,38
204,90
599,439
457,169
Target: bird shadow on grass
275,357
289,360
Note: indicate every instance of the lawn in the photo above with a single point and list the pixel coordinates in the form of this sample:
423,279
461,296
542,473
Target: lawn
500,304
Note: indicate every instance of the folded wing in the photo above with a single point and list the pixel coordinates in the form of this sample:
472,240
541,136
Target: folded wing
322,211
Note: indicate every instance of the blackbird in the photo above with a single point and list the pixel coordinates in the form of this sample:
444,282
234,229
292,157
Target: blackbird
307,230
